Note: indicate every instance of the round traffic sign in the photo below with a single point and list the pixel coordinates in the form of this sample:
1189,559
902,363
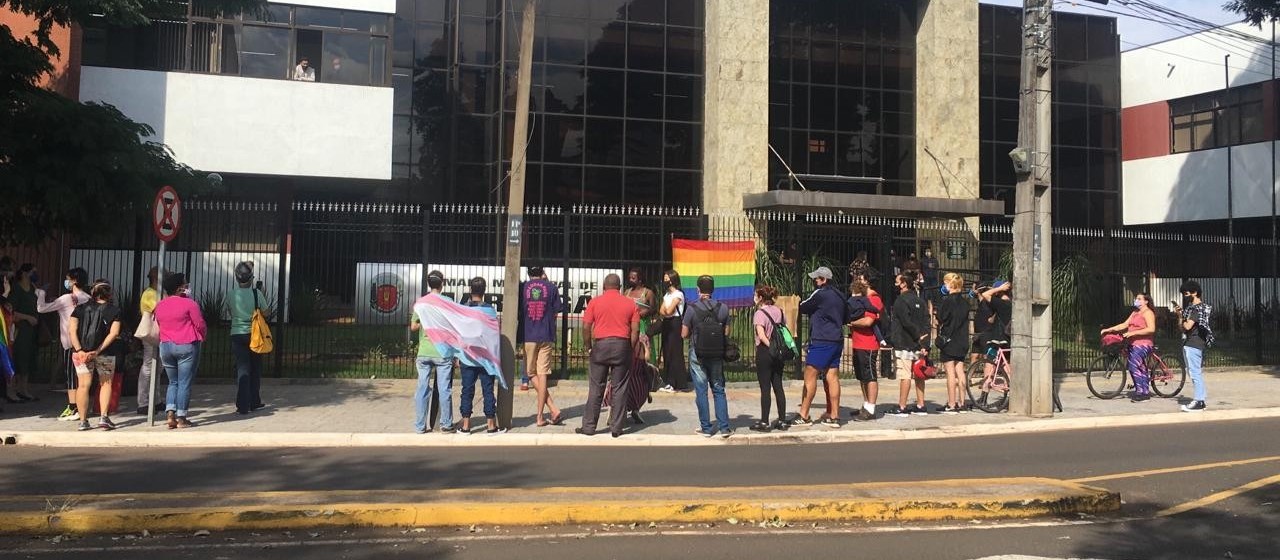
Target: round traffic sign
166,217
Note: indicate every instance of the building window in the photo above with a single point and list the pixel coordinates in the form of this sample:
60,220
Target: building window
1218,119
341,46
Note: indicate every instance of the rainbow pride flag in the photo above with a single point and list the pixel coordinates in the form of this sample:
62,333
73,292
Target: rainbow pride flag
731,263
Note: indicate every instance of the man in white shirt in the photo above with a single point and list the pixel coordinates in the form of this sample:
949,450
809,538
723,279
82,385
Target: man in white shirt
303,72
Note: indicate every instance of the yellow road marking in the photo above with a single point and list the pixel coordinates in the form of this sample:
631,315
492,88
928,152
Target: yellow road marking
1189,468
1218,497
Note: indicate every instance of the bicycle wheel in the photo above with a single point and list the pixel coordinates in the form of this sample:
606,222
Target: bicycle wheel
987,394
1168,375
1106,376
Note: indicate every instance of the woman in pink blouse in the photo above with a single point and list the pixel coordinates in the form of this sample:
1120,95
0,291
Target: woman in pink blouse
182,329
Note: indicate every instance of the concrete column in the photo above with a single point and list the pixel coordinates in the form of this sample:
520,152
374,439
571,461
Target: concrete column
735,140
947,111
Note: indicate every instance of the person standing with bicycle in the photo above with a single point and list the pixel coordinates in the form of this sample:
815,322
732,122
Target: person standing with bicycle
1139,334
1197,337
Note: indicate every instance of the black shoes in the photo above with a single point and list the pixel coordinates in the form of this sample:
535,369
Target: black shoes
583,432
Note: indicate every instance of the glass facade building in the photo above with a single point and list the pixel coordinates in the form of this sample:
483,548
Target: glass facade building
1086,114
616,101
618,94
842,92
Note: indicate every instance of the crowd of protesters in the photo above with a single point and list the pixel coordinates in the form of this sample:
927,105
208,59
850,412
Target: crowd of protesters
95,342
640,340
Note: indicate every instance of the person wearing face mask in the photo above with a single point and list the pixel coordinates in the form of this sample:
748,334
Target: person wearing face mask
64,305
242,301
1139,332
182,330
929,268
1197,336
674,374
22,295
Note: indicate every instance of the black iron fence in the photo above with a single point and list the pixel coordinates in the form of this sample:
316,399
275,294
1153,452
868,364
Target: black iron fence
340,278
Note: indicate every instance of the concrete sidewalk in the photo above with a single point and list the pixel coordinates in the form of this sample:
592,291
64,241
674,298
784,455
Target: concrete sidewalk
380,413
913,501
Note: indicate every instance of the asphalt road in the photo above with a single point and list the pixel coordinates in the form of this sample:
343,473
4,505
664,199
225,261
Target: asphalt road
1068,454
1206,458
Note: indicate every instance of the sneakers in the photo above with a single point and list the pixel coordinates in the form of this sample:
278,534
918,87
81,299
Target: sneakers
898,412
702,433
725,434
760,426
667,389
495,431
1137,398
69,414
830,422
950,410
84,426
106,423
1195,406
915,410
865,416
448,430
799,420
780,425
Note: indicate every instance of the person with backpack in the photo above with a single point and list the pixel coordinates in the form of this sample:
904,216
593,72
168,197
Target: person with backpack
243,300
706,325
1197,336
909,333
772,352
94,327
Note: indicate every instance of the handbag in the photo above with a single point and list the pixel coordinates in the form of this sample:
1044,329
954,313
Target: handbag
731,351
259,331
148,330
655,327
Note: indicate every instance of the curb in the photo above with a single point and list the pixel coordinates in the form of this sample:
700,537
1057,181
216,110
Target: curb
946,500
210,439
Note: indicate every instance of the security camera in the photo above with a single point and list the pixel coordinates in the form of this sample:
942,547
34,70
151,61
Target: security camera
1021,160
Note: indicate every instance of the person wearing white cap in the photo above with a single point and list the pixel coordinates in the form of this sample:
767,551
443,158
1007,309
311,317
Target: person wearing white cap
827,316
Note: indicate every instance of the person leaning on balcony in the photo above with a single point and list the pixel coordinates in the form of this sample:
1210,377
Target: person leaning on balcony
303,72
182,331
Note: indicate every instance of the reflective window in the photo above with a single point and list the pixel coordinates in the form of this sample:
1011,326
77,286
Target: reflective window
264,53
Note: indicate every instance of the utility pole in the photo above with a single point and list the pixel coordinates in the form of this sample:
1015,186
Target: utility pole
1231,213
515,216
1032,332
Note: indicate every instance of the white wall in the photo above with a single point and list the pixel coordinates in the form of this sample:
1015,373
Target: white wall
1193,186
248,125
1192,65
380,6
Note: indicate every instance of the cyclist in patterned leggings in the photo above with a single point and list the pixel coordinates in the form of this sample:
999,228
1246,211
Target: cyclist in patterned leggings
1139,332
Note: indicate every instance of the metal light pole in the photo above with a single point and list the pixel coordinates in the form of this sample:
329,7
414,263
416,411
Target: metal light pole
1032,332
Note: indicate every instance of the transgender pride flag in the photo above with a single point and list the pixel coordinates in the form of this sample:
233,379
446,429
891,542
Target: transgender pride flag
731,263
470,334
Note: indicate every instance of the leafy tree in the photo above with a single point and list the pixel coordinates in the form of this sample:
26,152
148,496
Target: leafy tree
1255,11
71,166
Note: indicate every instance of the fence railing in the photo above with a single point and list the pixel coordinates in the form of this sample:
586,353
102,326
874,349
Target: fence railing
340,277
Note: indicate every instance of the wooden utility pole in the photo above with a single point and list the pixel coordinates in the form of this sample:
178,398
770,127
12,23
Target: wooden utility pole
1032,332
515,216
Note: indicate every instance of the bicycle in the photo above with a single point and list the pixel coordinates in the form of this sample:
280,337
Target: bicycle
993,387
1108,375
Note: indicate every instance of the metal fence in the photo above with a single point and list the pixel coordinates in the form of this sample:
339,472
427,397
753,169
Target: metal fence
340,278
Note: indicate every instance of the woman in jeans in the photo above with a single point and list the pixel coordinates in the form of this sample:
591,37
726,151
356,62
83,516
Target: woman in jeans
672,310
768,368
243,300
182,329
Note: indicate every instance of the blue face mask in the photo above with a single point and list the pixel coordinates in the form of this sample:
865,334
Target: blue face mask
66,284
1137,303
34,278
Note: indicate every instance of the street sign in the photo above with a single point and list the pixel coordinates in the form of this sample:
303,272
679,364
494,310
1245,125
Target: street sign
166,217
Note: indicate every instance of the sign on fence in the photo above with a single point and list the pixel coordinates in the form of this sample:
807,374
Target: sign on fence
385,292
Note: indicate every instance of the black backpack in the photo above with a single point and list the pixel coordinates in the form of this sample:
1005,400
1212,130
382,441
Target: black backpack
710,343
781,343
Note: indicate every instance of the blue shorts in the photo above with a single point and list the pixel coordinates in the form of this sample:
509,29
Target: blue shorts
824,355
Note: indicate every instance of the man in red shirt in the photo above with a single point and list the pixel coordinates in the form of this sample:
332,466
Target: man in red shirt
611,328
866,346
